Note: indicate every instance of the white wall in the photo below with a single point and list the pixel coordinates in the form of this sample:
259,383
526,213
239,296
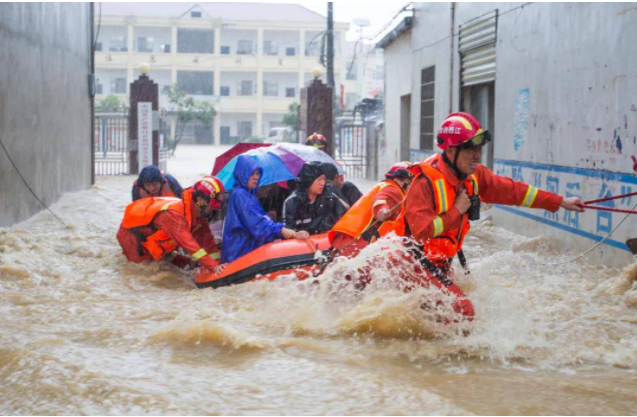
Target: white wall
231,120
232,79
106,77
284,80
271,120
398,63
284,39
231,38
107,32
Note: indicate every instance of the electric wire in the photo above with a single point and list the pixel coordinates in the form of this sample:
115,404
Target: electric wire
593,247
28,187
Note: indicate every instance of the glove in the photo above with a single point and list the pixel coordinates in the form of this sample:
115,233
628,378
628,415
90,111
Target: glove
209,263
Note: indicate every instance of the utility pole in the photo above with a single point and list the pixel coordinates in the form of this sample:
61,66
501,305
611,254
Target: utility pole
330,45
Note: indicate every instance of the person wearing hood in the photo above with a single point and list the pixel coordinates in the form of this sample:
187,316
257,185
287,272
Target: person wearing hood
312,207
153,183
345,190
247,225
154,228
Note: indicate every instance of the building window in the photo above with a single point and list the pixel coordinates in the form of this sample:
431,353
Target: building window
118,44
196,82
290,92
165,48
225,91
98,46
270,48
99,89
290,51
351,74
313,48
144,44
244,129
118,86
225,50
270,89
195,41
244,88
427,90
195,14
244,48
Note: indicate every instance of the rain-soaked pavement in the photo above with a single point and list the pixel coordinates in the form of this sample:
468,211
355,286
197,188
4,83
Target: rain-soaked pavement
84,332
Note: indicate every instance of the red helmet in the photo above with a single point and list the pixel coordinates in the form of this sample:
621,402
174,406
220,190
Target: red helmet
402,170
211,187
462,129
317,140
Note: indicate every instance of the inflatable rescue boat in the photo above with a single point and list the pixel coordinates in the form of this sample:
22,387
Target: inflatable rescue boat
301,258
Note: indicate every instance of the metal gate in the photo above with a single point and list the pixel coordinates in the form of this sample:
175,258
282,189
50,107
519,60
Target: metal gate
111,144
352,150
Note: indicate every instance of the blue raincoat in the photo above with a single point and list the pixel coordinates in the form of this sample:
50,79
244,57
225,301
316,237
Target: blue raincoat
247,226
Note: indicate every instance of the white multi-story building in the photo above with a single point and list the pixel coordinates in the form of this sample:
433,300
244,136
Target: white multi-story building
249,59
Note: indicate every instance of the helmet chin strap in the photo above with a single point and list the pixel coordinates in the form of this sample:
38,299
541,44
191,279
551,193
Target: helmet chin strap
454,165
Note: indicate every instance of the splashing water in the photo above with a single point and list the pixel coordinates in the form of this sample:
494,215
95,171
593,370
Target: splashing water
84,332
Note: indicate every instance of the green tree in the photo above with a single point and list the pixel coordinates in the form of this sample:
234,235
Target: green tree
186,110
110,104
291,118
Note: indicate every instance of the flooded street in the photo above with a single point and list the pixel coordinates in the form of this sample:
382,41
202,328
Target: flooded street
85,332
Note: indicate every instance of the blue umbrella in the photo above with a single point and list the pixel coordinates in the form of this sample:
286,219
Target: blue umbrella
274,169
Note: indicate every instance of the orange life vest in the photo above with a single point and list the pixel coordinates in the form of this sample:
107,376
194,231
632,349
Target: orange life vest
361,215
445,244
142,212
166,191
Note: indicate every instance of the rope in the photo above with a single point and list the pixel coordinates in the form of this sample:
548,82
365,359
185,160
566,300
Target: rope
594,246
29,188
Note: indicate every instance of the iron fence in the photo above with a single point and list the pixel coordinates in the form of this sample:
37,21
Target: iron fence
352,151
112,145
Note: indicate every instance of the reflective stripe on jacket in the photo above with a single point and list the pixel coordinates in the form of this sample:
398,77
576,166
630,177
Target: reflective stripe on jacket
445,242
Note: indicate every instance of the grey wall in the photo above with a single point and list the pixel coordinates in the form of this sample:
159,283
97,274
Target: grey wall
574,135
45,115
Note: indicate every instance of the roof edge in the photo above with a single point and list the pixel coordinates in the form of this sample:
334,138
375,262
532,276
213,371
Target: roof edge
402,27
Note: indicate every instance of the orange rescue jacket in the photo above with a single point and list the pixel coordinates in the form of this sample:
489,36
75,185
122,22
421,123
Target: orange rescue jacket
446,243
142,212
360,216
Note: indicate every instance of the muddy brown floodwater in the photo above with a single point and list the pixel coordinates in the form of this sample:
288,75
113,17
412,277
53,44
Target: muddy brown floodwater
84,332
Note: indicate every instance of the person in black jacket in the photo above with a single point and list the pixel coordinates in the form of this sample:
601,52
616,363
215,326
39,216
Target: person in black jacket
312,207
344,189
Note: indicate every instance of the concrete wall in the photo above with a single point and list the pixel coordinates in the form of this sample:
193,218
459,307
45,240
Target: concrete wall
398,71
565,109
45,114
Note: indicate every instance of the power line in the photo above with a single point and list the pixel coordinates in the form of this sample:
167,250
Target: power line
458,33
29,188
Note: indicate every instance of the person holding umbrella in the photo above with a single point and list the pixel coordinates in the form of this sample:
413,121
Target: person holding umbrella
247,226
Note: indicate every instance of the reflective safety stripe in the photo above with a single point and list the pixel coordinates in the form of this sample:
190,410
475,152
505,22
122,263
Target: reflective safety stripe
168,205
199,254
443,204
438,226
474,179
379,202
215,255
529,198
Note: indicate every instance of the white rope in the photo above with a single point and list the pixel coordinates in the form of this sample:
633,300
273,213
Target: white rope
594,247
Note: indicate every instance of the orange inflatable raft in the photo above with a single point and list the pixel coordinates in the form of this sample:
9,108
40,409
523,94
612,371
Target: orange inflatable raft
301,258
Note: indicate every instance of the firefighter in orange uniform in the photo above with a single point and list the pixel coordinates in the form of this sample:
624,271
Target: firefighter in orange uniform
153,228
448,188
375,214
